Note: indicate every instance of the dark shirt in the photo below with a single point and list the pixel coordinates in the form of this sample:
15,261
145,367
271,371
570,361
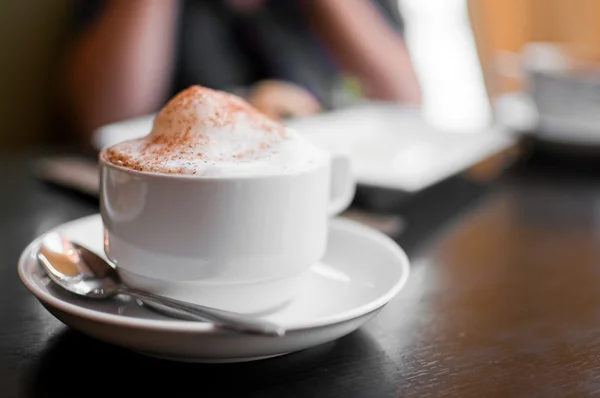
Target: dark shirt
221,48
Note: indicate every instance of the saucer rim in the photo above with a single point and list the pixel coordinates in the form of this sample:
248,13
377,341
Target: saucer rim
199,327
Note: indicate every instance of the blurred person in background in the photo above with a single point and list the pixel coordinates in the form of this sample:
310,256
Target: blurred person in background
289,58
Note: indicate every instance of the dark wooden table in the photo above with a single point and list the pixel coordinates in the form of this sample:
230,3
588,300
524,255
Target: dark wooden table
503,301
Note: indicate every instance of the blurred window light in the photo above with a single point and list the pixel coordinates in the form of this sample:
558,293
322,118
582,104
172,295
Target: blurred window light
441,43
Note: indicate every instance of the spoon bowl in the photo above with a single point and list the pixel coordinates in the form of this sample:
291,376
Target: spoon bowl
84,273
77,269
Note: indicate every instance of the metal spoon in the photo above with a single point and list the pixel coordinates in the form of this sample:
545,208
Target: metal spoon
84,273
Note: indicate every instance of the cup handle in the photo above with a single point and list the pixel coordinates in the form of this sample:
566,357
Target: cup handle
343,186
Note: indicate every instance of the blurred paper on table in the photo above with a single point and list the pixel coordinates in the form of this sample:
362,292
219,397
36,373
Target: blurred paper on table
74,173
394,147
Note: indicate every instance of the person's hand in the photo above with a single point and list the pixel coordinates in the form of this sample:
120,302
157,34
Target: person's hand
280,100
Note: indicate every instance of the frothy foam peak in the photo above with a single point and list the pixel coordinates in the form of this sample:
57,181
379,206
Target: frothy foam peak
208,132
198,112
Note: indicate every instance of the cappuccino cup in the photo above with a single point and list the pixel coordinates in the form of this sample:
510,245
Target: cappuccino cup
231,233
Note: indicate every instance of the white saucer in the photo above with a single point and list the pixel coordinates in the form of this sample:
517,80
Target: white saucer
361,272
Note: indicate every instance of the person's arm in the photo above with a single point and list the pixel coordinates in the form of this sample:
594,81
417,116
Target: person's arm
120,67
367,47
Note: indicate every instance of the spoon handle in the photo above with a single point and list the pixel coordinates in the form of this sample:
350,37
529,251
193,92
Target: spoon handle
223,319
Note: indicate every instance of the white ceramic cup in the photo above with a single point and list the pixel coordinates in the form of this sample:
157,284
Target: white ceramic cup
236,243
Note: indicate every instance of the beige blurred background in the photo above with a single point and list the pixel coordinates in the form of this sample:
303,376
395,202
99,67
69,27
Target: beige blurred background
507,25
33,32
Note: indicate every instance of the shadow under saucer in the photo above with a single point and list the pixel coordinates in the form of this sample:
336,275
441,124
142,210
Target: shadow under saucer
73,362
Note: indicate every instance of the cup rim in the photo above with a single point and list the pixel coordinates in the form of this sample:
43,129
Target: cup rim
193,177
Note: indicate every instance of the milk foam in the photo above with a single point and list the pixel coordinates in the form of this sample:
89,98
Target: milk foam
205,132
